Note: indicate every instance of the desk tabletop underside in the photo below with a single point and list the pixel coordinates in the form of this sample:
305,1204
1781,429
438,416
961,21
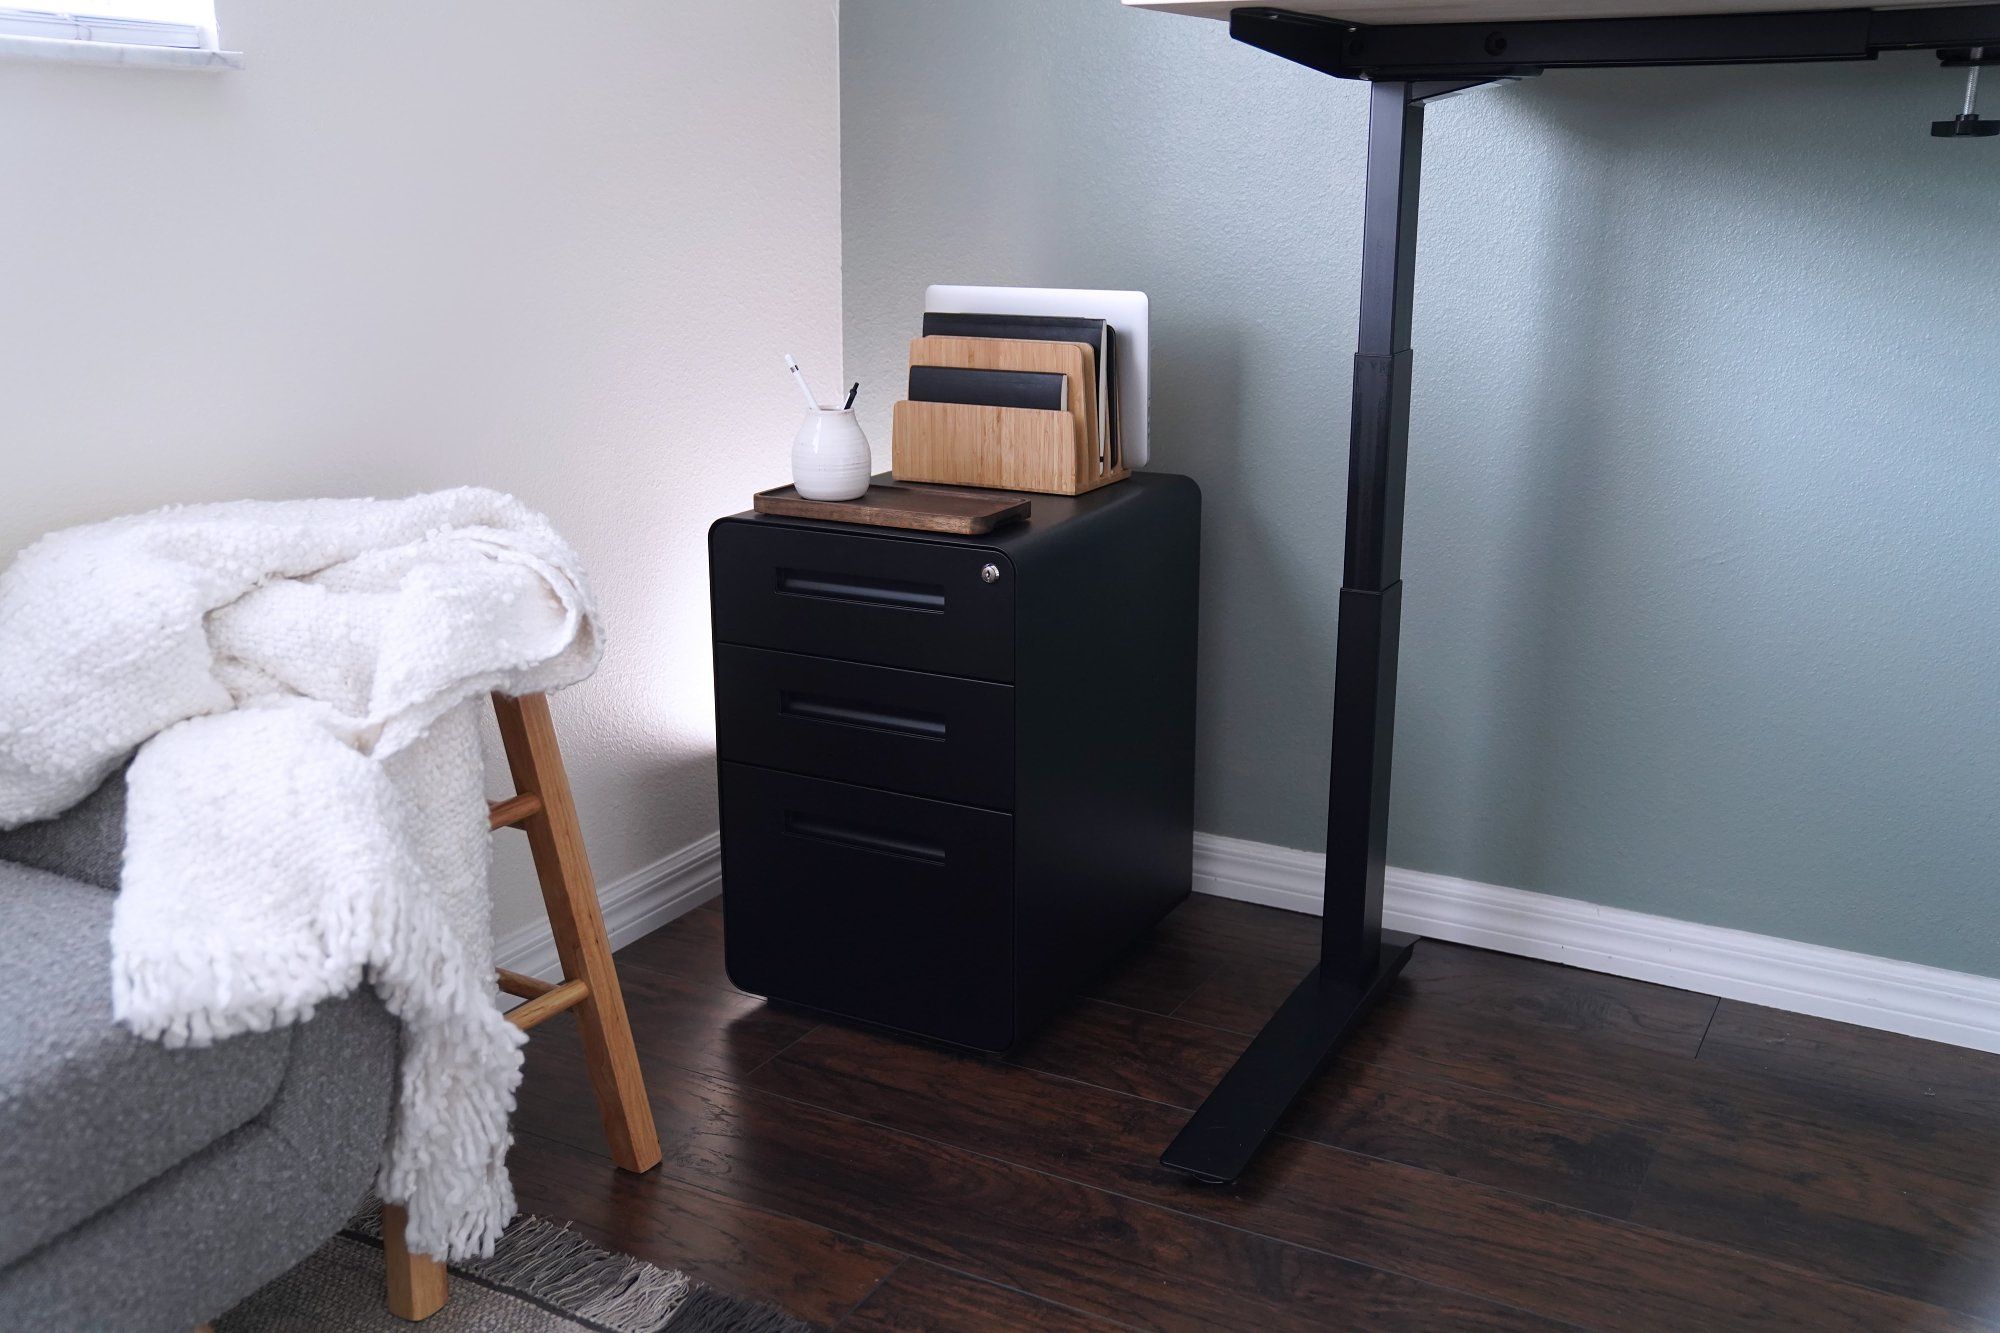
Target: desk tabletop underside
1506,11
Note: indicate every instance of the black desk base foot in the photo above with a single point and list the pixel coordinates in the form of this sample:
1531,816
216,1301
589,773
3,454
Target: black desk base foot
1224,1135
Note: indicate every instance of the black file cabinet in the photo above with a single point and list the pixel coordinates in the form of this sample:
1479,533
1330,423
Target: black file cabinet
957,773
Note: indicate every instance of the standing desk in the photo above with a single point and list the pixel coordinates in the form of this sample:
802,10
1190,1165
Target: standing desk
1413,52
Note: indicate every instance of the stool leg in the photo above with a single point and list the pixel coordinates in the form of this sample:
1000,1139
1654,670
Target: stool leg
570,893
417,1283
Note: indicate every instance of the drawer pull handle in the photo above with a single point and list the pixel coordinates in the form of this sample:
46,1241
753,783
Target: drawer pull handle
861,839
891,593
840,712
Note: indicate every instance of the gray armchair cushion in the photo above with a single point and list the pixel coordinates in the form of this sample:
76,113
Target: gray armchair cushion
186,1247
144,1188
89,1112
86,841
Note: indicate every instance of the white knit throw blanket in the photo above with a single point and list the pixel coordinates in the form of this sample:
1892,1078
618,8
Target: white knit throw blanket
302,681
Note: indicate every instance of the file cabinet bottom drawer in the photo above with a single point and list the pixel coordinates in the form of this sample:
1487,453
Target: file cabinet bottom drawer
892,909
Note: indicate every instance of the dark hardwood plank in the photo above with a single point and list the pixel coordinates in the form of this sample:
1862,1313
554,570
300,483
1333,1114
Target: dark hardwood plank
1206,935
1417,1118
1786,1144
1834,1203
1114,1257
709,1028
1157,977
811,1273
1645,1088
1228,930
689,947
1823,1053
923,1298
1125,1050
1242,996
1561,1001
1561,1263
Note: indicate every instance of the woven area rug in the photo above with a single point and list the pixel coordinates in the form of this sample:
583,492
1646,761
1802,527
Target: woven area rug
542,1278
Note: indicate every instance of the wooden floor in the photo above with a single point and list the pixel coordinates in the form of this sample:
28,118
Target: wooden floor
1509,1144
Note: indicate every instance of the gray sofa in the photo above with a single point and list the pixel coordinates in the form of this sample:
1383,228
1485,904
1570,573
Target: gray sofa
146,1188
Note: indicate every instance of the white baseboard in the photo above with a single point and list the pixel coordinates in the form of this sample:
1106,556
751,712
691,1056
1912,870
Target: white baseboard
636,905
1882,993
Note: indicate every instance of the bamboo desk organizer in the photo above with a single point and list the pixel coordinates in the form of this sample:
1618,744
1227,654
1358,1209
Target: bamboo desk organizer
1006,448
543,809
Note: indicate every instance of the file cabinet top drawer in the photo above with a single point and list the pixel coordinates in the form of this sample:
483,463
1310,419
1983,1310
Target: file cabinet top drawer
929,606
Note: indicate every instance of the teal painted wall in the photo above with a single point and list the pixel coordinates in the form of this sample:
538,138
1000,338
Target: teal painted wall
1702,611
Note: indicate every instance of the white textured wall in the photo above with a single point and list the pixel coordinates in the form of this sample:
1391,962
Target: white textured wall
413,246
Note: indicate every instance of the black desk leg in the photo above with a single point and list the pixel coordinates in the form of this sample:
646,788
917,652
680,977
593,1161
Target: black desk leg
1358,959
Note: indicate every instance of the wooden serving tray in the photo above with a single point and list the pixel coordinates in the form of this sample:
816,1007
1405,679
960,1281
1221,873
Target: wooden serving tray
888,505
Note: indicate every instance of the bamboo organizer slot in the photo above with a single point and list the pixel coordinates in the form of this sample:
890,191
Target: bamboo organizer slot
1006,448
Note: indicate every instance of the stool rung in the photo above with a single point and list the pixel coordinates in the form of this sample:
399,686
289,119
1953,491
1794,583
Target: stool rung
549,1003
513,811
523,985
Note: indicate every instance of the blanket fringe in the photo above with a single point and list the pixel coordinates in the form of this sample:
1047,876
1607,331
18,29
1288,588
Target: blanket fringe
383,922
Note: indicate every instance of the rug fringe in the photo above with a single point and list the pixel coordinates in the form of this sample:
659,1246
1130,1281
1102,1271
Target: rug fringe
552,1263
549,1262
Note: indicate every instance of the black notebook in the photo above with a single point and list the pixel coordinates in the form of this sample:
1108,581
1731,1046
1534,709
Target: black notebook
1094,333
993,388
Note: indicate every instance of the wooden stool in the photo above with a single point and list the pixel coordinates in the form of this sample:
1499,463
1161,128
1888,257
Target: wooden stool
543,809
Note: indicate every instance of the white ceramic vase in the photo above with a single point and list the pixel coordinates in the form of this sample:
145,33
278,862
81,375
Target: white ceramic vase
830,458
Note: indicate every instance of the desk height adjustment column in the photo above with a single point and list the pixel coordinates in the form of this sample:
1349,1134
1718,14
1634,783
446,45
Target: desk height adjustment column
1358,959
1371,594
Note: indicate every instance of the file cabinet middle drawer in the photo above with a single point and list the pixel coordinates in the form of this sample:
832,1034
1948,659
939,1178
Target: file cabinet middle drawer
905,731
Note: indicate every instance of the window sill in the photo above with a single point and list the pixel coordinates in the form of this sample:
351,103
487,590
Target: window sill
111,53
